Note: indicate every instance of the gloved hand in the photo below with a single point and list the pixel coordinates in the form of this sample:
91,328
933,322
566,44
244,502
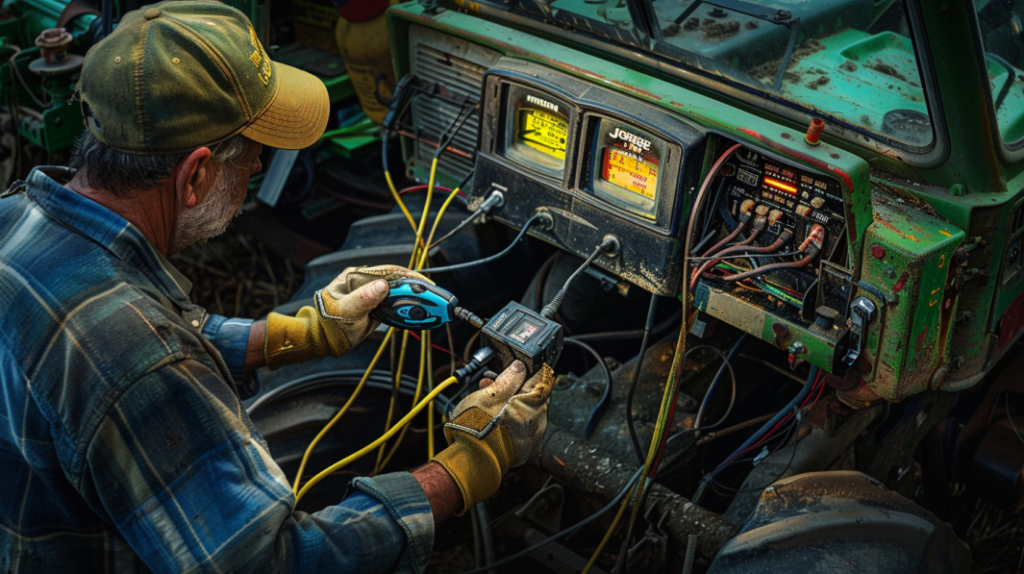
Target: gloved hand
495,429
338,320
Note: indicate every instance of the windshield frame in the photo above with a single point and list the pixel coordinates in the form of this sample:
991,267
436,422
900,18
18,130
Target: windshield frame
719,84
1010,153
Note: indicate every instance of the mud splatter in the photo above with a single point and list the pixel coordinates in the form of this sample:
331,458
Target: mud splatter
848,66
888,70
821,81
715,30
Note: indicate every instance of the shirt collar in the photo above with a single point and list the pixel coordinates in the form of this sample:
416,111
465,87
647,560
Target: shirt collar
106,228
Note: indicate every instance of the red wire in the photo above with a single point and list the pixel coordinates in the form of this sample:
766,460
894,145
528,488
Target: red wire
416,188
439,348
780,423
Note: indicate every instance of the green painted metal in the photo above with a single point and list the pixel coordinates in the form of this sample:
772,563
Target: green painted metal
819,346
909,258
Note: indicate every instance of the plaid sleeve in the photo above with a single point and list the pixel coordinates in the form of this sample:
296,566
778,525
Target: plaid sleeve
176,469
231,337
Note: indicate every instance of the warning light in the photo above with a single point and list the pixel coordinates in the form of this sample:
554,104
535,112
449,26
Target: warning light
780,185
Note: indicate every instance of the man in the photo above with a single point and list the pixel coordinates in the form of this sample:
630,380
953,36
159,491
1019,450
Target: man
123,442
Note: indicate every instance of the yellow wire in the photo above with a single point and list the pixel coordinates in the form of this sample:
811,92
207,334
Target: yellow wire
398,200
430,408
433,229
608,535
391,406
426,211
424,345
372,446
341,412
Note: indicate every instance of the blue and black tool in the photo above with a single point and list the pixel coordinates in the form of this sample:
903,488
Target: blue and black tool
416,304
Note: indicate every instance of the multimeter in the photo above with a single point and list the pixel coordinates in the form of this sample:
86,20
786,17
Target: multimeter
516,332
415,304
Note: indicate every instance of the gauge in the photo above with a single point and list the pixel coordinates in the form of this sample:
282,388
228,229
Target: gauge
538,131
630,172
627,165
543,131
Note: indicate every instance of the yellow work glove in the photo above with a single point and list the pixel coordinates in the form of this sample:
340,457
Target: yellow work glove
338,320
495,429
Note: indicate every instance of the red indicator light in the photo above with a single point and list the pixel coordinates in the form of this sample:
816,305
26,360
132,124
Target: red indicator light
780,185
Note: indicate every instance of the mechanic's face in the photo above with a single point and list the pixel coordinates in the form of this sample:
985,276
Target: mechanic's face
222,202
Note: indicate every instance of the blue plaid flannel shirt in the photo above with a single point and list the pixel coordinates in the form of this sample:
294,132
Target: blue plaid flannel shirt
124,446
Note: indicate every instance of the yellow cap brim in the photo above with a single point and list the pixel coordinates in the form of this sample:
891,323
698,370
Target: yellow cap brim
298,115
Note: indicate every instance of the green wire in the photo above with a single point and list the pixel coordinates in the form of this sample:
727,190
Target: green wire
766,287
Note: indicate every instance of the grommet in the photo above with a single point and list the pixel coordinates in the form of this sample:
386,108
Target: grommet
175,60
117,60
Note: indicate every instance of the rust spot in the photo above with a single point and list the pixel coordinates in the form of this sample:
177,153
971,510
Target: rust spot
878,251
898,232
635,90
901,283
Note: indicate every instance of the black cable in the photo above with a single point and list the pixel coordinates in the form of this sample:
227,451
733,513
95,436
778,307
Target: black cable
486,534
551,309
632,333
380,380
602,405
806,390
726,364
526,551
792,456
495,257
636,378
446,139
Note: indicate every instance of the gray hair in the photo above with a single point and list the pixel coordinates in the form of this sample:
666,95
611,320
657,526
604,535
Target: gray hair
123,173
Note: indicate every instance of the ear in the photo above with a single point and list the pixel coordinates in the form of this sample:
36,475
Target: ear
193,177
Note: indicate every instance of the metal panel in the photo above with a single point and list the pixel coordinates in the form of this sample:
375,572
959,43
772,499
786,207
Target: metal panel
457,67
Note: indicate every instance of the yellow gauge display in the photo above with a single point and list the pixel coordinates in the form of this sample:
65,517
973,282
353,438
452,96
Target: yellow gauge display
630,172
543,131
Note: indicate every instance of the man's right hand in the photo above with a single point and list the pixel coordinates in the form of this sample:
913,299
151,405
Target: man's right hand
338,320
494,429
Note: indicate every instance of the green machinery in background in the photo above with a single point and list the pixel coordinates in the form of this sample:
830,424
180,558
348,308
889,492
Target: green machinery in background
40,97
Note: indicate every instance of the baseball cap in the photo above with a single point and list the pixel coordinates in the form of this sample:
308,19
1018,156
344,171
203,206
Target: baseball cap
182,74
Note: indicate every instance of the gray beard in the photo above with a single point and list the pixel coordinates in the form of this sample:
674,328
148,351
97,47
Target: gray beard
212,217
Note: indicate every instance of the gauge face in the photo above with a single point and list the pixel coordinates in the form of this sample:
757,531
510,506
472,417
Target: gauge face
544,132
627,162
538,131
630,172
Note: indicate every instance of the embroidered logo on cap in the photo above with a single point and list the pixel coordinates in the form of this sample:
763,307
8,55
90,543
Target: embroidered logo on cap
259,58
